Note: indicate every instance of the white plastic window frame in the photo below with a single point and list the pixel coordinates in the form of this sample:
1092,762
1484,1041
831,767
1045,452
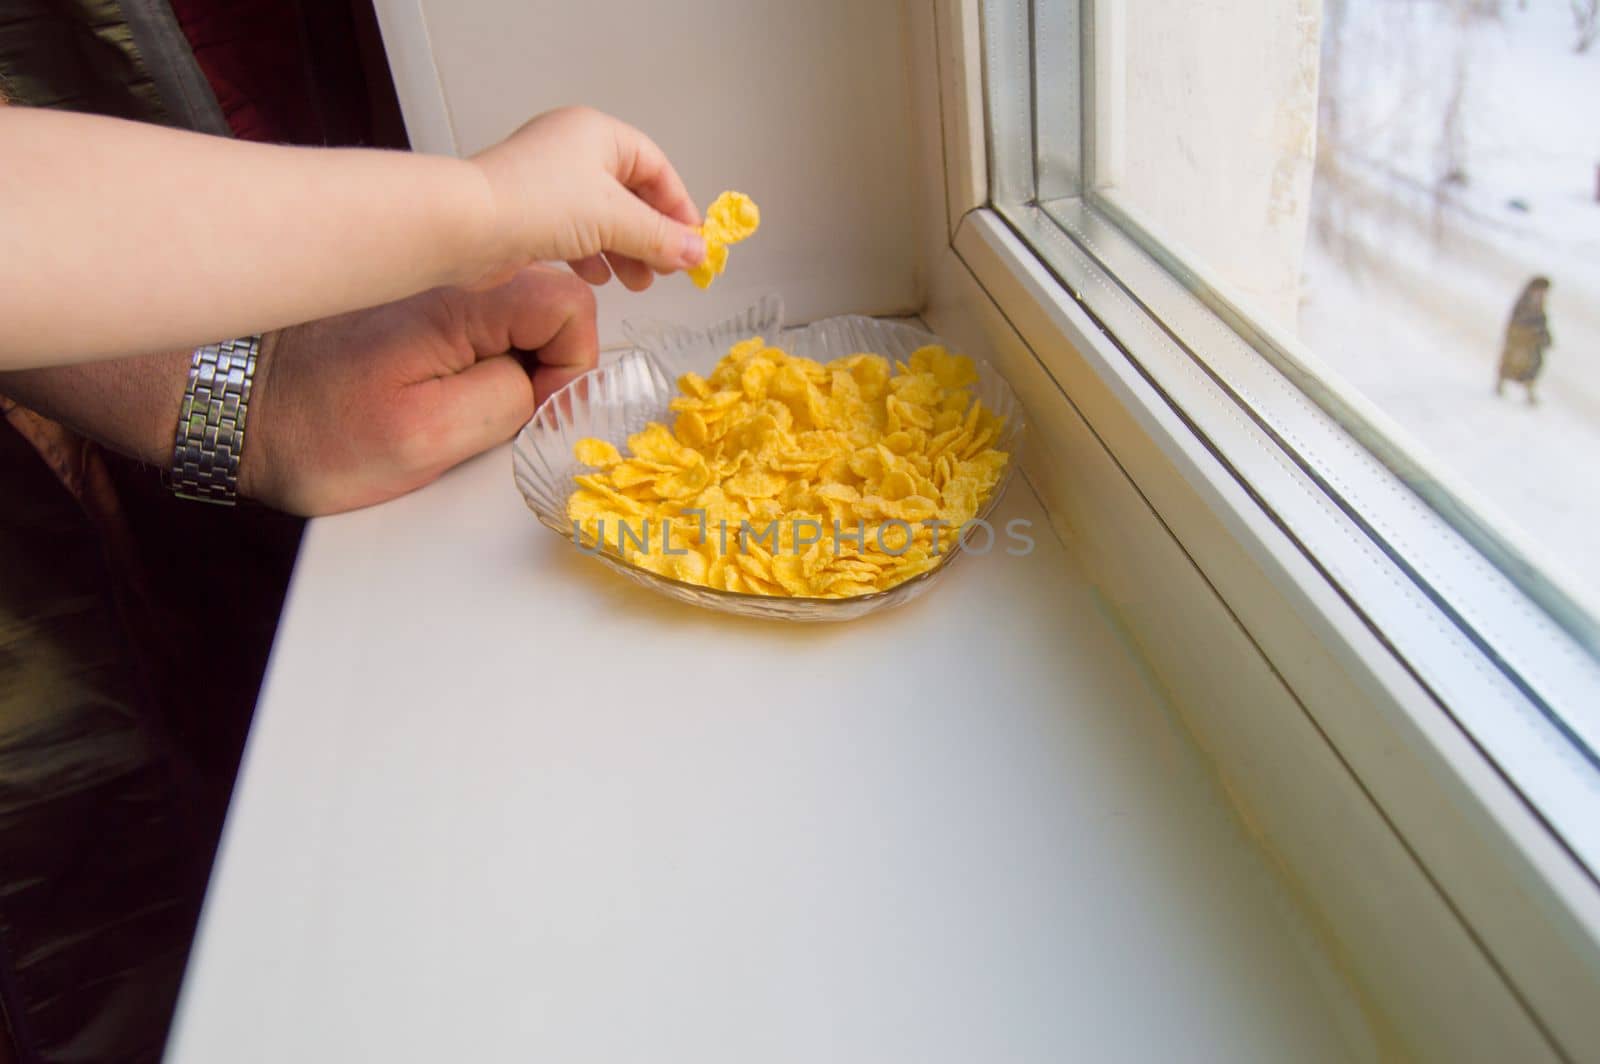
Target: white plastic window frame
1518,677
1491,664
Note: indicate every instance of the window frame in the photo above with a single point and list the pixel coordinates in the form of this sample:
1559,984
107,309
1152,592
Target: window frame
1537,667
1104,276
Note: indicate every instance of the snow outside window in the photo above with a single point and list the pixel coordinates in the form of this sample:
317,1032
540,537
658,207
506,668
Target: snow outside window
1410,188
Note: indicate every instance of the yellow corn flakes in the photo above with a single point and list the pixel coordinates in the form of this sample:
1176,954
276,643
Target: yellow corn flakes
597,453
731,217
785,476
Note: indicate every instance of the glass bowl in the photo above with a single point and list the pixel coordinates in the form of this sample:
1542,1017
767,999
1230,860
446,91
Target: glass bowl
618,399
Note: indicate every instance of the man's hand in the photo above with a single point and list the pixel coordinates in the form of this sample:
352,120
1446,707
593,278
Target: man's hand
360,408
352,410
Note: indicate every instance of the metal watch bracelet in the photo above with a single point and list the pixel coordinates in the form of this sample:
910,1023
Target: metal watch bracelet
211,422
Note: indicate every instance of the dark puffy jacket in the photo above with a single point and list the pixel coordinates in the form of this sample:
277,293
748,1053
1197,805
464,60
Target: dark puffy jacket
118,742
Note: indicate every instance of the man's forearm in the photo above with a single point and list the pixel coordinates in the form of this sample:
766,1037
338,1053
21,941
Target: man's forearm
129,405
149,239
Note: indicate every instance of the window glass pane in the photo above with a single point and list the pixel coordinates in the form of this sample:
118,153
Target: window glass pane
1217,135
1411,190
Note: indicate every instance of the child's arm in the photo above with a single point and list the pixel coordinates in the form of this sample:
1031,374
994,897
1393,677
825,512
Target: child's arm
118,238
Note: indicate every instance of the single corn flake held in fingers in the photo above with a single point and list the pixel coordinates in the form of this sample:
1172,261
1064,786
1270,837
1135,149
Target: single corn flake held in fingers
732,217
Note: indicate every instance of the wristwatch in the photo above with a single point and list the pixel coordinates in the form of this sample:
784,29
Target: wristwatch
211,422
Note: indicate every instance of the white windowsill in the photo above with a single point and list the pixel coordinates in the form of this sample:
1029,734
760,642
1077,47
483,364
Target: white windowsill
500,804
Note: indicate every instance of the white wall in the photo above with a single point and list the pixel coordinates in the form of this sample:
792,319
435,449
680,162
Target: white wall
805,106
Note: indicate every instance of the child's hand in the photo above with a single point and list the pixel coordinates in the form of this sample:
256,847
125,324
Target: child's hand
580,186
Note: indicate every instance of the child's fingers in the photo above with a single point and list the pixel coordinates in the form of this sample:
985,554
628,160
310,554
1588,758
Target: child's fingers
641,232
593,269
645,171
634,275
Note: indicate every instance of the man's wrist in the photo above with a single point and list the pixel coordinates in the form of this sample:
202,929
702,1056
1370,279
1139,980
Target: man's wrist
256,463
132,406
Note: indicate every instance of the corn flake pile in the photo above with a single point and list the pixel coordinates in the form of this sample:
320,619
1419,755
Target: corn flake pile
731,217
786,476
